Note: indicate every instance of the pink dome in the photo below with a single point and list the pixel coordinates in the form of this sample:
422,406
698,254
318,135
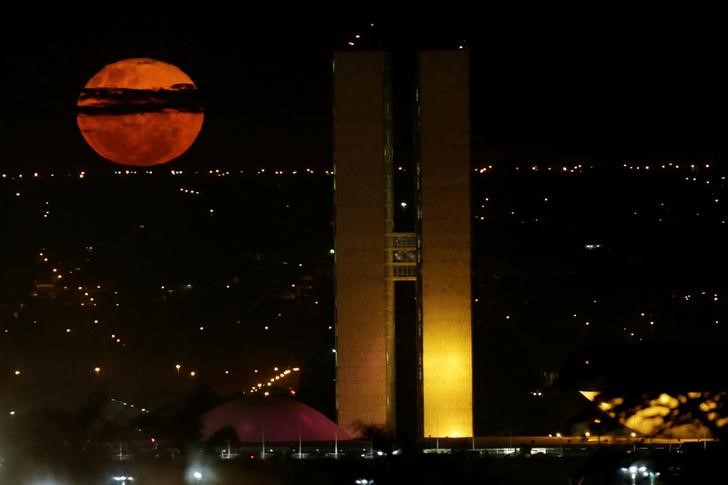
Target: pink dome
281,419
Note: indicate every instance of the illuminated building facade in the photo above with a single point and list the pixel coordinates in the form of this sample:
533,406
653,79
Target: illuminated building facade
403,298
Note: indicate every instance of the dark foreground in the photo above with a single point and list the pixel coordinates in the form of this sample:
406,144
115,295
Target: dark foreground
600,466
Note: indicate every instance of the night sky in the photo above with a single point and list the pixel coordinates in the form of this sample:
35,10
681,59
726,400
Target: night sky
602,84
599,156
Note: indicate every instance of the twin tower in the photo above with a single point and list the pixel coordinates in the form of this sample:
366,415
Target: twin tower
403,251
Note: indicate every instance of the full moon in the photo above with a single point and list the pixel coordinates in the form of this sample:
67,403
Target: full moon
140,112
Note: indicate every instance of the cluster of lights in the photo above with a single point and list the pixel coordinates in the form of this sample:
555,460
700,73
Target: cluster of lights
19,176
214,172
133,172
707,181
279,172
356,38
564,169
647,318
129,405
122,478
262,171
639,470
85,293
260,386
578,168
219,173
665,166
192,373
189,191
581,167
689,297
714,198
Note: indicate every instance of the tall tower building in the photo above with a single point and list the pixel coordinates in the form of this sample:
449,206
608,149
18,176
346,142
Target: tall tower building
403,298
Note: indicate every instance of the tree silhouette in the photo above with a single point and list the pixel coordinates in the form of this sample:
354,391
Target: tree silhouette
661,390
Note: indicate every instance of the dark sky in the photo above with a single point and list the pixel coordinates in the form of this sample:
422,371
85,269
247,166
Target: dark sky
600,83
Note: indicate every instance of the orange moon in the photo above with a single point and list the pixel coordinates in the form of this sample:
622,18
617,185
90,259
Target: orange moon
140,112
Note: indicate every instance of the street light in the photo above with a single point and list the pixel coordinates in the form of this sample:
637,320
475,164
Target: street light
123,479
561,444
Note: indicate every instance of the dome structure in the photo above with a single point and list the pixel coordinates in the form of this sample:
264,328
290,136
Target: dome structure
278,419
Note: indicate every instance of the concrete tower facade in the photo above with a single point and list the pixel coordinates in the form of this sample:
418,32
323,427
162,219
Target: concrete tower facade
360,154
372,259
445,249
